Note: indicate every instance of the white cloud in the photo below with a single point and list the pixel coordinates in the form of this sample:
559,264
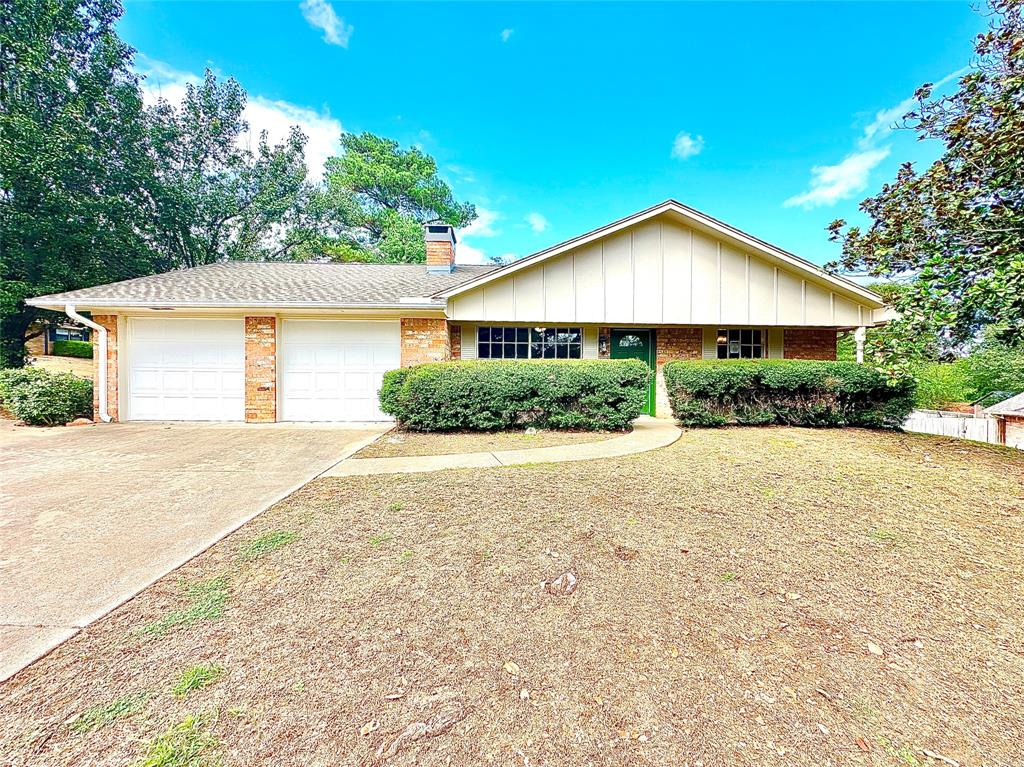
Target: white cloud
832,183
323,132
321,14
482,226
686,145
885,119
274,116
537,222
506,34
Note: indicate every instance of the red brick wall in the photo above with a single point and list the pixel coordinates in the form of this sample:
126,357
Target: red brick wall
424,340
809,344
678,344
260,369
109,321
440,253
455,341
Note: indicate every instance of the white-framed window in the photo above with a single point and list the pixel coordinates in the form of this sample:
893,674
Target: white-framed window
740,343
515,343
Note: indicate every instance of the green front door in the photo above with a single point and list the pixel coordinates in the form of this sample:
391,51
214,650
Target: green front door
636,345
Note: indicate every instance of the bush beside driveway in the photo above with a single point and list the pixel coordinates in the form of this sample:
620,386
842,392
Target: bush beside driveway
767,596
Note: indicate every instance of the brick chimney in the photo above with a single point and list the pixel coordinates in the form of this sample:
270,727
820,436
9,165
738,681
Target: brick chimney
440,242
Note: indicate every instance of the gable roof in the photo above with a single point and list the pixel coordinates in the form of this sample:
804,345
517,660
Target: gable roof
1012,406
275,284
693,217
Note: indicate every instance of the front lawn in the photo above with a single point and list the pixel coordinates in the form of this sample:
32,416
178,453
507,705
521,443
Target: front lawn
401,443
746,596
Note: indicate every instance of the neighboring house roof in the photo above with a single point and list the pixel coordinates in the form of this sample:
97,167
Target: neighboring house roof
690,215
275,284
1013,406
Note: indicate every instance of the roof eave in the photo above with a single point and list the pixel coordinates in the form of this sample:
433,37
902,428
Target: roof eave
57,303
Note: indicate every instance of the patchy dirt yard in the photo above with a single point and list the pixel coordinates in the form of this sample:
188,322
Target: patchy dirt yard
77,365
762,597
408,443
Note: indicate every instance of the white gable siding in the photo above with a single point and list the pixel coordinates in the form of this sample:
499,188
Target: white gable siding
659,272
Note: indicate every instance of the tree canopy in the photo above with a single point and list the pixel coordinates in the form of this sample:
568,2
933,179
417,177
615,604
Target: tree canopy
76,177
387,193
94,187
219,199
954,232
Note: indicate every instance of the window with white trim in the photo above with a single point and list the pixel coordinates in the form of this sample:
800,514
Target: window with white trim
515,343
740,343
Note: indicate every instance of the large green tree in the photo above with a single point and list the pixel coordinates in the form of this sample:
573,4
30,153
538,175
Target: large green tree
382,195
220,199
955,231
76,178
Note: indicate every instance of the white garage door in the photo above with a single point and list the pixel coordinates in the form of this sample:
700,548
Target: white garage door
186,370
331,370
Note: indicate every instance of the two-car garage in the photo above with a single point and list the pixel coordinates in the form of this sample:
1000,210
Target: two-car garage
194,369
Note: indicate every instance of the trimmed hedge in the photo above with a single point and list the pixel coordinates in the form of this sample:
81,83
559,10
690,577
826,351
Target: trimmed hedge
72,349
494,394
42,398
793,392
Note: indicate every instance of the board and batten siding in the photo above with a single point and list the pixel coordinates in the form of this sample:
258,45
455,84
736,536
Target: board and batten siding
659,272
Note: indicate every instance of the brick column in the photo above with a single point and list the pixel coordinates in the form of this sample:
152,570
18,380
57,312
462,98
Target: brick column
809,344
424,340
108,321
260,369
455,341
673,344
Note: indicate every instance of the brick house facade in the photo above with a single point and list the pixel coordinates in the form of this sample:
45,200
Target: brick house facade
262,342
809,343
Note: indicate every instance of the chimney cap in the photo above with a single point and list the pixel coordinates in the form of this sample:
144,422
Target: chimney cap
439,233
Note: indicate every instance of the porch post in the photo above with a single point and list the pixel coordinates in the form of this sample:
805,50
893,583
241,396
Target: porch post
859,334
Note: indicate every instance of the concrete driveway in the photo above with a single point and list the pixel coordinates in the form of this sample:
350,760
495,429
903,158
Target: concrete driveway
91,515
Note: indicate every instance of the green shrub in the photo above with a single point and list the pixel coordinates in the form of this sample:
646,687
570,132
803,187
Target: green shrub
996,367
793,392
73,349
941,384
43,398
496,394
12,378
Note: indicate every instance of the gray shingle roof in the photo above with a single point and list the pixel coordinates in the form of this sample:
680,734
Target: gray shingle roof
240,283
1012,406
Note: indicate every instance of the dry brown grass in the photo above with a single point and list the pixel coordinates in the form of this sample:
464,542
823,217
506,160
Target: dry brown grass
397,442
729,586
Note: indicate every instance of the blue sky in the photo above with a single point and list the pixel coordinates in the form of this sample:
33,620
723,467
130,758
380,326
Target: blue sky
557,118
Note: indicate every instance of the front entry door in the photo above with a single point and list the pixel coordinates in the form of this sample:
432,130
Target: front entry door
637,345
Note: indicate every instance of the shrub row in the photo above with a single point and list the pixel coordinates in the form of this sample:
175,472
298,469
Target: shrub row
72,349
793,392
43,398
485,396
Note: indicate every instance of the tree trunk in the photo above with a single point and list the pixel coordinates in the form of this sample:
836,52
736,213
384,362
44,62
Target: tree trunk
12,337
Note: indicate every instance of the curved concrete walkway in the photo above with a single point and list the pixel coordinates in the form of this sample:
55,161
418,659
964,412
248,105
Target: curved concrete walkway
648,434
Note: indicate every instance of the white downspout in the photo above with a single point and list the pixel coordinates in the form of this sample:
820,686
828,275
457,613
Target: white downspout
69,310
859,335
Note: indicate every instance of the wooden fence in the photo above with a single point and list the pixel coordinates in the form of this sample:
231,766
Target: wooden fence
949,424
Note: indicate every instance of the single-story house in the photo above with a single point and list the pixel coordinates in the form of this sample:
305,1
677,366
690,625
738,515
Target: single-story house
1009,417
42,335
264,342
